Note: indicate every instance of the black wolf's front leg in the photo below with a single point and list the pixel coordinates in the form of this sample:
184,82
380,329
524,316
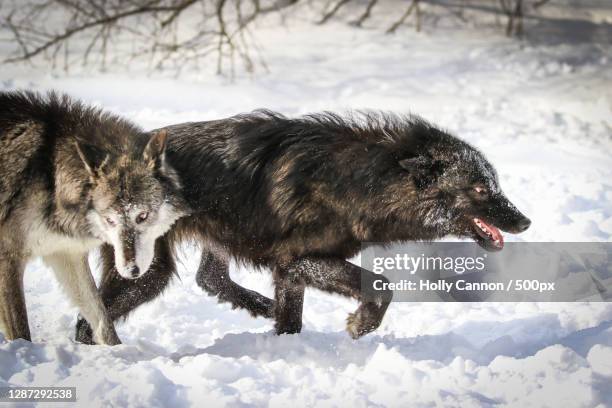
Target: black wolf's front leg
121,296
213,276
333,276
289,297
13,313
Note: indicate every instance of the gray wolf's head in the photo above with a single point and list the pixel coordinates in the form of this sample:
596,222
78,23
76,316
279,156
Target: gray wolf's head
459,192
134,200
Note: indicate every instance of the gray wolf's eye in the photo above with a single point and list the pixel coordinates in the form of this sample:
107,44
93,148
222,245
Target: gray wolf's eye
142,217
109,221
481,190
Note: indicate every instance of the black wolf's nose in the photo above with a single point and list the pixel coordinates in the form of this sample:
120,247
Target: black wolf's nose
523,224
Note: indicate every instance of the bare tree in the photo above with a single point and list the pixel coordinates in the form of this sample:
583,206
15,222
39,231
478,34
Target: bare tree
366,14
333,11
170,33
176,34
414,5
514,12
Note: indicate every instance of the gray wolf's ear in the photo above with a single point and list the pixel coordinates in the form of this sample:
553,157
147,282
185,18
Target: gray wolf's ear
90,156
156,148
423,170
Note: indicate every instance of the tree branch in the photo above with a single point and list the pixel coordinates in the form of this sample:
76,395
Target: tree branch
395,26
366,14
148,8
333,11
179,9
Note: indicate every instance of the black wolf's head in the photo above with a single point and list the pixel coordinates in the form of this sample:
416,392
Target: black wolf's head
458,189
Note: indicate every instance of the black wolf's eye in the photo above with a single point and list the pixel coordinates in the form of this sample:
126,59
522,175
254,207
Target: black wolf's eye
110,221
142,217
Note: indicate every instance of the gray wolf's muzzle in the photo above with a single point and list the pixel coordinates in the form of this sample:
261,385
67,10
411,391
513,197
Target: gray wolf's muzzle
128,246
133,271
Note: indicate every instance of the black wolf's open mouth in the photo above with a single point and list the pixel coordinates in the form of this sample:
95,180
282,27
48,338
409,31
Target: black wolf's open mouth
490,237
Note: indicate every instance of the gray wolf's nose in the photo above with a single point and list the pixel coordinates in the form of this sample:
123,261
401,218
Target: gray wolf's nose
134,271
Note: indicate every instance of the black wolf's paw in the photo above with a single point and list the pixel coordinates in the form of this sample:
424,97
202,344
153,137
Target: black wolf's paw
365,320
83,333
288,323
260,305
288,328
241,298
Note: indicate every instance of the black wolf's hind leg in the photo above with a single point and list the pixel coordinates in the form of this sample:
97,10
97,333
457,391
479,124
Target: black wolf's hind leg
289,297
342,277
213,276
13,313
120,295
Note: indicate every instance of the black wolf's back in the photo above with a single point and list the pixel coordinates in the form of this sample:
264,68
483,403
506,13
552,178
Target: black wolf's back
272,187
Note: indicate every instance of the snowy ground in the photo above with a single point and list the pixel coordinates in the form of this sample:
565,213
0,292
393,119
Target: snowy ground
542,112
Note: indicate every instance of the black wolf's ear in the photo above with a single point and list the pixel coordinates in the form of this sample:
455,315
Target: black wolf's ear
422,169
155,150
92,159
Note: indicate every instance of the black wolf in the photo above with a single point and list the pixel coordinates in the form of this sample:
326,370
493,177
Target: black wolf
72,178
300,196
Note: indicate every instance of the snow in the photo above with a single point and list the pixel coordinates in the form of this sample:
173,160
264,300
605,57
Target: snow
541,110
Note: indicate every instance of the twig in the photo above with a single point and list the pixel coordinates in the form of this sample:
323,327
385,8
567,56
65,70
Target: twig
71,32
539,4
179,9
366,14
333,11
403,18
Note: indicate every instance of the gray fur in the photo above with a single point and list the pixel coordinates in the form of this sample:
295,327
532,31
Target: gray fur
63,168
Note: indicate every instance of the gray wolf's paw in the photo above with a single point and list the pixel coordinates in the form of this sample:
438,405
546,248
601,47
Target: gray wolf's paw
83,333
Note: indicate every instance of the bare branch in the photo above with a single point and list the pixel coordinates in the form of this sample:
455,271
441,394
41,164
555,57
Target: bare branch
153,25
178,33
403,18
333,11
366,14
540,3
223,34
17,34
179,9
71,32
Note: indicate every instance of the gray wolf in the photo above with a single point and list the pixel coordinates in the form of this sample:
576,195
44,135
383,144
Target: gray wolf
300,196
71,178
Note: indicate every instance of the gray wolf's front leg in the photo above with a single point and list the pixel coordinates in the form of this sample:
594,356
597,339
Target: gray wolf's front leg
121,296
72,271
13,313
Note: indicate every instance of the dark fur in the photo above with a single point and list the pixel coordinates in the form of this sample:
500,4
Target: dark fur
300,196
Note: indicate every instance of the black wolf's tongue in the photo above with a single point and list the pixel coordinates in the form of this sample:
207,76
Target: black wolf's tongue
489,232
